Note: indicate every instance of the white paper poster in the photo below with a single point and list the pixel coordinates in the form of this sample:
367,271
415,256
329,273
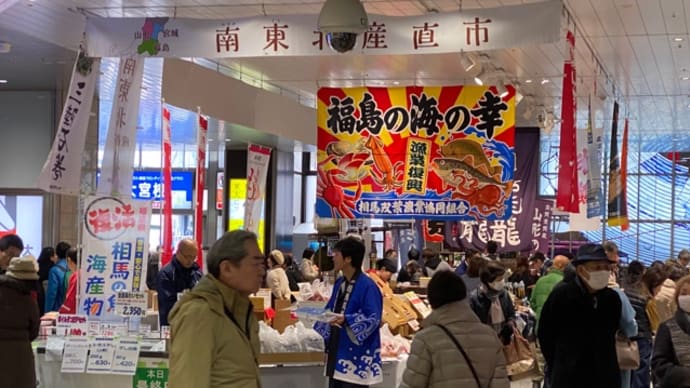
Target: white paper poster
102,351
257,170
61,172
131,304
126,356
75,355
115,238
118,157
297,35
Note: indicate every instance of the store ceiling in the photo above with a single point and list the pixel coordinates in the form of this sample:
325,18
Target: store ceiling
633,40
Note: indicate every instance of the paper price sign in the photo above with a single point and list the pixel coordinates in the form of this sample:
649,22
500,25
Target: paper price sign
71,325
131,304
126,356
74,358
101,356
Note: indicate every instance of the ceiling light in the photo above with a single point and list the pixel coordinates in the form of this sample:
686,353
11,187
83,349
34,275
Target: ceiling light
545,81
685,78
478,81
518,98
5,47
396,82
3,81
467,62
678,39
501,89
528,81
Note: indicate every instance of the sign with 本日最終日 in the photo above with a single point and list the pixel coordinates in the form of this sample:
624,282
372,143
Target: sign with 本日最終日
434,153
151,373
115,239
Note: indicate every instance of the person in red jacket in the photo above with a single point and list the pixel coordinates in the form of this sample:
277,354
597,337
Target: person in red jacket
70,304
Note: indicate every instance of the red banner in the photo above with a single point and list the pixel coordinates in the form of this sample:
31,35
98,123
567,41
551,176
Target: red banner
567,196
200,184
166,253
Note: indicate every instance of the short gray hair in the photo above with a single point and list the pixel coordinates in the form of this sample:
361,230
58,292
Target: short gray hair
229,247
610,246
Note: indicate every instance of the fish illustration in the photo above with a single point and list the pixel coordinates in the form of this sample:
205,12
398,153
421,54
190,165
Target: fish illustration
472,153
449,169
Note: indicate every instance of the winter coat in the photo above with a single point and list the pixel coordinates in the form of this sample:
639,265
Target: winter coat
639,298
542,290
308,272
173,279
471,283
577,333
441,265
436,362
55,295
358,353
19,323
481,305
671,357
277,281
209,349
666,300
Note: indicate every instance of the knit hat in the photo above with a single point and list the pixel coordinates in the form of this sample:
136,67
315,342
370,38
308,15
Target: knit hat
278,256
23,268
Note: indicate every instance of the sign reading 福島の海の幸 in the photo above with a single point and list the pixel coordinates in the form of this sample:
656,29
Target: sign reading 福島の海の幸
415,152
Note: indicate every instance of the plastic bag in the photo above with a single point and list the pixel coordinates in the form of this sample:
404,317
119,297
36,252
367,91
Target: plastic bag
289,342
269,338
311,341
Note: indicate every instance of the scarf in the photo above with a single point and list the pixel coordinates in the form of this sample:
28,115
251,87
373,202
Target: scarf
496,317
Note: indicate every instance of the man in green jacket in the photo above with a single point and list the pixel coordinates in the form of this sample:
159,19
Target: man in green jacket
546,283
214,334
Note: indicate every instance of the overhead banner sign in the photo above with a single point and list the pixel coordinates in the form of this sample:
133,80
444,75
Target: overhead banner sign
118,157
61,173
116,234
297,35
257,171
441,153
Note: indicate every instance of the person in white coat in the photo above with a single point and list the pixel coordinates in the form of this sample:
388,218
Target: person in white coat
276,278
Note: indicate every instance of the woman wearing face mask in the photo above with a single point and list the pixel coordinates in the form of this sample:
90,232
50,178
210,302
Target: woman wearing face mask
491,302
641,288
671,359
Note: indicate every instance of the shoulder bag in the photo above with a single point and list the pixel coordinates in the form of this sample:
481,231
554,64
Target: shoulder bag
627,352
460,348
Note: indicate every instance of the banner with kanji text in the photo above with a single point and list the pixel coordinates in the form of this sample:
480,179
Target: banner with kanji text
437,153
115,247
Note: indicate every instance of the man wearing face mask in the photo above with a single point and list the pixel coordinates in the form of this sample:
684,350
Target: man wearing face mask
578,325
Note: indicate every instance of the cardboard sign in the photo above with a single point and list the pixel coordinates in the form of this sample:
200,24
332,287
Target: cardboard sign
422,309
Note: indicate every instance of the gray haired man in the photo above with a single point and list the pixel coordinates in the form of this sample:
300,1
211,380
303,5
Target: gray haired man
214,334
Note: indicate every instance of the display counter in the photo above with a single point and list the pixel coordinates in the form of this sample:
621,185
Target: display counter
288,375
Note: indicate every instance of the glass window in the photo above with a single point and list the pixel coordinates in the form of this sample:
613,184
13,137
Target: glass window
297,162
297,199
312,161
23,215
310,198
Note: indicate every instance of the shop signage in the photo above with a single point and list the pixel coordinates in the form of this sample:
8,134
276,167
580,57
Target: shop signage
61,172
115,239
437,153
120,144
148,185
131,304
200,184
151,374
591,154
257,171
71,325
478,29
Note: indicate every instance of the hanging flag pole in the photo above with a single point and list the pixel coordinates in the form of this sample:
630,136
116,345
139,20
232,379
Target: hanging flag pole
166,143
567,194
202,131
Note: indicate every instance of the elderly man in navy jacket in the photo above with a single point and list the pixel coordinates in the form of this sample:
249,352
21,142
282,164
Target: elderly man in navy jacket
182,273
578,324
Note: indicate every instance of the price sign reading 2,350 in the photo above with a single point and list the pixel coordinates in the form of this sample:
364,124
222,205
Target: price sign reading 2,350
133,311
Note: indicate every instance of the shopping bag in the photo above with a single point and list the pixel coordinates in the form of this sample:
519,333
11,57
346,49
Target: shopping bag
628,353
518,349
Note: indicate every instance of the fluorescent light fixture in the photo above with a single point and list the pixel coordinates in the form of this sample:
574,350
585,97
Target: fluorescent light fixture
678,39
3,81
545,81
478,80
528,81
396,82
685,78
501,89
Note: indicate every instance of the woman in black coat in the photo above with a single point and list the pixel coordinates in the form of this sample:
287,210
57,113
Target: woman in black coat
671,357
492,303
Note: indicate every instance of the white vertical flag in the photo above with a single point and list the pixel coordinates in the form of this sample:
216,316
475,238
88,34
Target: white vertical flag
118,158
257,170
61,172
